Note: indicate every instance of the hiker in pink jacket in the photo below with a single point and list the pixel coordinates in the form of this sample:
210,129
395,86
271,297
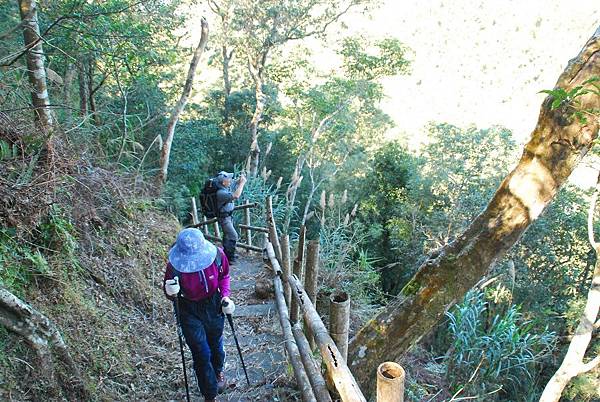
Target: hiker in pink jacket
197,273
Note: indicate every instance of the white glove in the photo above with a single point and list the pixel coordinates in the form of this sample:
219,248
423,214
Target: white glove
227,305
172,286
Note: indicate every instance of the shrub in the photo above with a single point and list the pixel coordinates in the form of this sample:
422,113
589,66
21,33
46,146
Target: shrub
490,355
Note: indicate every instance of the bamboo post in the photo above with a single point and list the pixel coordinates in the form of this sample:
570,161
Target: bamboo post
312,370
247,222
285,263
344,382
204,227
310,281
339,321
290,344
194,211
273,237
299,272
390,382
217,230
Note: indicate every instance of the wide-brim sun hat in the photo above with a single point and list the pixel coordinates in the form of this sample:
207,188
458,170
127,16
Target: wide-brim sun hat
191,252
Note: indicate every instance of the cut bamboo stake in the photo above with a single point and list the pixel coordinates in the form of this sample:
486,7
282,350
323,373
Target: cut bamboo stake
273,237
299,272
217,230
255,228
285,264
205,227
290,345
312,369
194,211
344,382
339,320
247,222
310,281
390,382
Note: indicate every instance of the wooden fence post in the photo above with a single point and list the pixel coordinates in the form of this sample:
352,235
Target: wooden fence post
299,272
273,237
194,211
247,222
290,345
285,264
205,227
310,280
390,382
339,321
312,370
217,230
344,381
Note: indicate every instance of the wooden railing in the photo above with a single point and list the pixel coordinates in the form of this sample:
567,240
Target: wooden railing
247,228
295,291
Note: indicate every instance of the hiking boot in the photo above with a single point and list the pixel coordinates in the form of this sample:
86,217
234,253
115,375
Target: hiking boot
221,382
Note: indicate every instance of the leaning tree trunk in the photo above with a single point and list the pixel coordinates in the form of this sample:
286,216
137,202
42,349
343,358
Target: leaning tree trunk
573,364
43,336
35,63
558,143
187,88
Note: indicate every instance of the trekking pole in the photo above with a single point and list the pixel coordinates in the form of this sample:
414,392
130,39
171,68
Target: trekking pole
237,344
180,335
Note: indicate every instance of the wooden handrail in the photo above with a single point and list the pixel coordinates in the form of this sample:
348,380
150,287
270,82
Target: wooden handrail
254,228
342,378
304,383
213,220
241,245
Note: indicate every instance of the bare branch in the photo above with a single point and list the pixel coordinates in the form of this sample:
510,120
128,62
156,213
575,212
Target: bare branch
591,214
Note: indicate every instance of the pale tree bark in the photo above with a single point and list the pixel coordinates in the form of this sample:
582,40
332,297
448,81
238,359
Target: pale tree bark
35,63
573,365
67,87
256,72
187,88
43,336
558,143
316,130
227,56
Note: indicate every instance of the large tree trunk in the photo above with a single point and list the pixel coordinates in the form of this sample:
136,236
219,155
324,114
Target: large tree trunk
83,88
66,93
35,63
91,91
227,55
558,143
573,364
43,336
187,88
256,74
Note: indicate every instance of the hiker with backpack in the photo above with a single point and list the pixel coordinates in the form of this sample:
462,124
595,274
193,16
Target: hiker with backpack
216,199
197,280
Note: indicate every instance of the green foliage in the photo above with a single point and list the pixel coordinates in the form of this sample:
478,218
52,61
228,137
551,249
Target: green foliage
366,61
345,264
571,100
491,353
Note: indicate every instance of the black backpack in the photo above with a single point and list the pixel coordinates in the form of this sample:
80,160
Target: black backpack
208,199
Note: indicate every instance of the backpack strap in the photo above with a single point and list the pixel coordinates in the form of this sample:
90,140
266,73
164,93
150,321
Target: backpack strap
219,261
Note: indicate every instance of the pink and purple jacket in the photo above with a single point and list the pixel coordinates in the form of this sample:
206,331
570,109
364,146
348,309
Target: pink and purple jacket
202,284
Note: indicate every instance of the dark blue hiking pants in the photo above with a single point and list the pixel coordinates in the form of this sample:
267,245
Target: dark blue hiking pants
202,323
